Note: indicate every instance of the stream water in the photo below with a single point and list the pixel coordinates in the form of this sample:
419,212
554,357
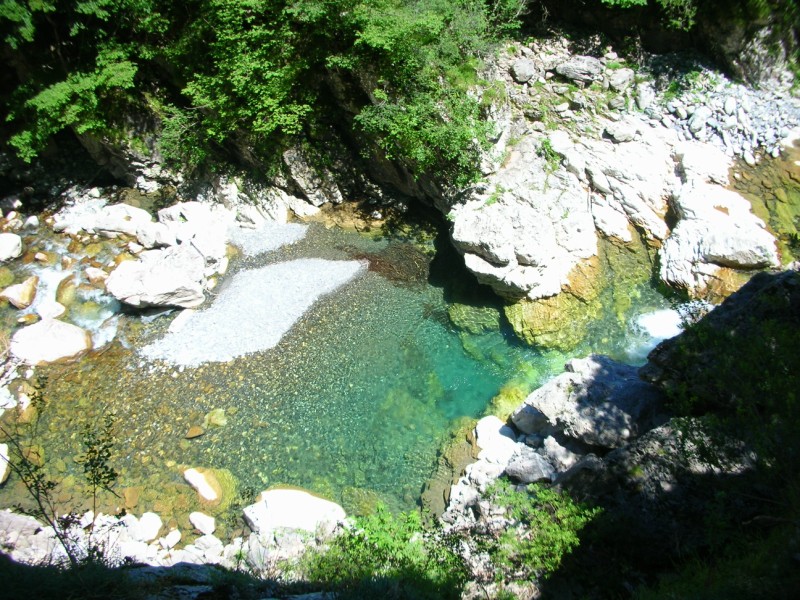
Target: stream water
354,403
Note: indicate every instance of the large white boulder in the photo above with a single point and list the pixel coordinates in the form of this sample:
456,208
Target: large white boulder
292,509
170,277
49,341
524,231
10,246
121,218
5,469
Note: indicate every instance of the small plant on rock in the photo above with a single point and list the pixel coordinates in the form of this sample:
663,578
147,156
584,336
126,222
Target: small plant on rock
550,156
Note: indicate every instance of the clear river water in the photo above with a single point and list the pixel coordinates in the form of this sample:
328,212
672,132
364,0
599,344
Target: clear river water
355,402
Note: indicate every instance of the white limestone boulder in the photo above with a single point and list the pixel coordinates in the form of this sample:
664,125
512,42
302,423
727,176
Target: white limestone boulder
524,231
5,469
149,526
50,341
121,218
10,246
204,523
292,509
716,228
170,277
495,439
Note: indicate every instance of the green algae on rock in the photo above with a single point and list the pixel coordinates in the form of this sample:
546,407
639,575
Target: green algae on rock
606,284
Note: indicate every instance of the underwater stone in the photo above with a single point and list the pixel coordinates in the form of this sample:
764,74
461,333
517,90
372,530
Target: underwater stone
194,431
204,482
474,319
215,418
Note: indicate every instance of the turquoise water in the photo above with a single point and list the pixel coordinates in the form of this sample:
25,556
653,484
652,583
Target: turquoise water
354,403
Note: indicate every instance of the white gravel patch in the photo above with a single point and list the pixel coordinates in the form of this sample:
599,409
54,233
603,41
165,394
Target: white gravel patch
253,312
267,237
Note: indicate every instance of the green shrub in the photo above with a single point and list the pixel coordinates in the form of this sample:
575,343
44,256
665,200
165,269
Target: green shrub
389,556
547,524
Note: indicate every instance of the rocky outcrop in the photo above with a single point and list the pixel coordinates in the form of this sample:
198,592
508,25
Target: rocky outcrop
571,166
597,402
526,230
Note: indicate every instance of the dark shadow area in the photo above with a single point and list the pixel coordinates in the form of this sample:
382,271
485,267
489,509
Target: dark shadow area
39,183
706,505
134,582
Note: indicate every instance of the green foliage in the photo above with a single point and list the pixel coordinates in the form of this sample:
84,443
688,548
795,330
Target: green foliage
546,528
250,77
389,556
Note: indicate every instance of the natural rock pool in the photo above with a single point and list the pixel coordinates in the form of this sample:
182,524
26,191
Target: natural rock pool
354,403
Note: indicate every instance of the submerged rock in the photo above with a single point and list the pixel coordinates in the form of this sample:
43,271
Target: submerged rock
21,295
50,341
205,483
292,509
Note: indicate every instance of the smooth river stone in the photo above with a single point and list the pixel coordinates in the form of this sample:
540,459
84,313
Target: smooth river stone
253,312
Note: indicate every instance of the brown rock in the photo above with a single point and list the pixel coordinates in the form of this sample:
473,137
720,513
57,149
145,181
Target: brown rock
131,496
194,431
22,294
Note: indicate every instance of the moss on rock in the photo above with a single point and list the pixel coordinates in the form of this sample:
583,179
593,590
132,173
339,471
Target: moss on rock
474,319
